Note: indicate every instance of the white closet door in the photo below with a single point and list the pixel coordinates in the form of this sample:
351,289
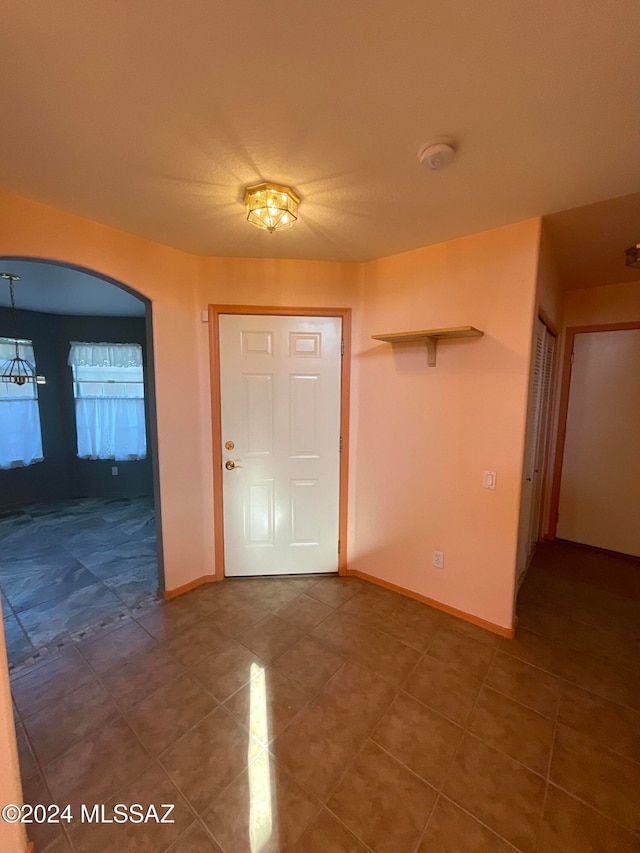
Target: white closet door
538,413
541,449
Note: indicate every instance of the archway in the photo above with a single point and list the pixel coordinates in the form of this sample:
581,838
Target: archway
85,275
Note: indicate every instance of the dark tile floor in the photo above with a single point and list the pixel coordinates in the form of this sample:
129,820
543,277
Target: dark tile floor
327,715
69,566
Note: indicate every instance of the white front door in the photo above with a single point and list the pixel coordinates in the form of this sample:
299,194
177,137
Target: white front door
280,415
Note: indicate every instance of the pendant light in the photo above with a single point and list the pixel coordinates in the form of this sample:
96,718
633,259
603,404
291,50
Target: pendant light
17,369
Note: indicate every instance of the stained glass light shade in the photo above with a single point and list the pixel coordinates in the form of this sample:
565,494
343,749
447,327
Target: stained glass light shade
271,207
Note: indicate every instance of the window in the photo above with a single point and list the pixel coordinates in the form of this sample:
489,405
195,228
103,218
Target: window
20,433
108,387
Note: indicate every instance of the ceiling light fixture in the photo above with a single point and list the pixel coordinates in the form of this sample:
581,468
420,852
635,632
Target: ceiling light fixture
632,256
271,207
17,370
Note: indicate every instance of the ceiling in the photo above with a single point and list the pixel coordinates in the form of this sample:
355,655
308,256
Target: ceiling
589,242
57,289
152,117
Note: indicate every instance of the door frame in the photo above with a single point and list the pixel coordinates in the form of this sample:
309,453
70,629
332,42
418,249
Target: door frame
563,408
216,415
545,443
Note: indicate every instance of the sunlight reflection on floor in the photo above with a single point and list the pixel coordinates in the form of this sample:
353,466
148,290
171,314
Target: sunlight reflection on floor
260,809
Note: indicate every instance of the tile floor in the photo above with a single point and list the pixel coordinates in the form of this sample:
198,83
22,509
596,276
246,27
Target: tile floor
328,715
67,566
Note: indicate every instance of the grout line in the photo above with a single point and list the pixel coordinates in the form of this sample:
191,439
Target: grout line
175,844
553,746
593,808
428,821
568,681
399,761
465,725
480,821
608,660
548,779
332,788
467,731
63,825
154,759
335,817
513,699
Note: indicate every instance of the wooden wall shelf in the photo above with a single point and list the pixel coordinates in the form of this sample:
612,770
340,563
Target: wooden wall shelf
430,338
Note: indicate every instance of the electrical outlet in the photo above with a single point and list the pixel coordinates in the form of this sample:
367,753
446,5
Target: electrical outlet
438,559
489,480
114,470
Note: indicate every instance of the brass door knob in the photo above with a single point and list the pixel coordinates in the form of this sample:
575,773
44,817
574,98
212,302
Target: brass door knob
230,465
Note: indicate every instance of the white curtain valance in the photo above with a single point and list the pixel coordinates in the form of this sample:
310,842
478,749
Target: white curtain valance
105,355
8,350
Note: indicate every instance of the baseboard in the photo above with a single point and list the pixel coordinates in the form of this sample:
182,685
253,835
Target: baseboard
187,587
509,633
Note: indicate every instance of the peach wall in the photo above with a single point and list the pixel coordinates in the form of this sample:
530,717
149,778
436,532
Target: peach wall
425,435
612,303
12,836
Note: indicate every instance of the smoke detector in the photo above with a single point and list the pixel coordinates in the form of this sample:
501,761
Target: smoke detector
437,154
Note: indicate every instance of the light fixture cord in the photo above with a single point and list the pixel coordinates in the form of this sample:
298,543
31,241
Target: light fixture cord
12,299
11,278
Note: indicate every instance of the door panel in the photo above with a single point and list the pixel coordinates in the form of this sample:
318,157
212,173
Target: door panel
258,513
305,507
304,415
600,487
280,406
259,413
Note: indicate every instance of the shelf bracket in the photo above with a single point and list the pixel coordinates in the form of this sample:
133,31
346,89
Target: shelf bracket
431,344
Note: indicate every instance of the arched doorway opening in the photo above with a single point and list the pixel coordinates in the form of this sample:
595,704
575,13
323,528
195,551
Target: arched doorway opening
80,519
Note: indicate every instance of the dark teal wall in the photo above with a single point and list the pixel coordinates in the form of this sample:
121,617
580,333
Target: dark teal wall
62,475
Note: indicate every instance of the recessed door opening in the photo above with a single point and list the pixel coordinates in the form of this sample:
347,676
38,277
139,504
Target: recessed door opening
599,491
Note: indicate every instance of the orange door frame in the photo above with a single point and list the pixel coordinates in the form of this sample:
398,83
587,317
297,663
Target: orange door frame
563,409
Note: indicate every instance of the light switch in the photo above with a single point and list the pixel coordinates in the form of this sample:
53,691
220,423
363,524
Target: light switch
489,480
